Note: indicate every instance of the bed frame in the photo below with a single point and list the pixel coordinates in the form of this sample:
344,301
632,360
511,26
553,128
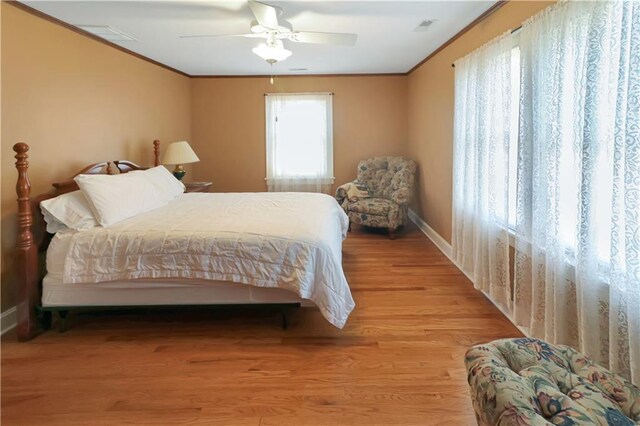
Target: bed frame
33,240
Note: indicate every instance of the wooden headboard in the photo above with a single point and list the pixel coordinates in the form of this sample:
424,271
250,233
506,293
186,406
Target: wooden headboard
33,238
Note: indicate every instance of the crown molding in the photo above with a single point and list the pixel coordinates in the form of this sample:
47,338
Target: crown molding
56,21
497,5
276,76
87,34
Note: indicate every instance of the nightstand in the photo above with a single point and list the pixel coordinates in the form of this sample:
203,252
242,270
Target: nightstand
197,187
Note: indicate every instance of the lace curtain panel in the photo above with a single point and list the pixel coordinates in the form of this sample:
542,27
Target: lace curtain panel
299,142
482,135
576,258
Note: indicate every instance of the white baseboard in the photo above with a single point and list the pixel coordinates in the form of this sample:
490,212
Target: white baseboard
8,320
435,238
446,249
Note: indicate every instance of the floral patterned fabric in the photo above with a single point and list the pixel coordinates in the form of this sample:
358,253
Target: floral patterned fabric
379,206
530,382
390,181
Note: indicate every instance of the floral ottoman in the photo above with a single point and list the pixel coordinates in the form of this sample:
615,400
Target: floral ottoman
530,382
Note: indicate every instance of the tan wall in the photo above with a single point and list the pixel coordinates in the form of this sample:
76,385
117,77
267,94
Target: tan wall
76,101
430,101
228,124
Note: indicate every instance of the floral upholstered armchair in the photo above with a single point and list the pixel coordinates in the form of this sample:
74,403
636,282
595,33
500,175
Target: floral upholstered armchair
526,381
379,197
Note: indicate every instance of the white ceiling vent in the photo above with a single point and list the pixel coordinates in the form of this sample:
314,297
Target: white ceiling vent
107,33
423,25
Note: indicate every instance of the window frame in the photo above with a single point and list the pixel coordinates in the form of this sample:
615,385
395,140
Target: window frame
328,177
570,252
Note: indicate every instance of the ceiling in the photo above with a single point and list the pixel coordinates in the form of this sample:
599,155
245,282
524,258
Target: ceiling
387,42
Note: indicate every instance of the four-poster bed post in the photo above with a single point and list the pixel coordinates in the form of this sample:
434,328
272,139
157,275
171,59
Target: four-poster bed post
32,237
26,251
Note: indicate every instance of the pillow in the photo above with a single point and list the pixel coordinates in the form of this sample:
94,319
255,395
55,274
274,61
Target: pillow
53,224
70,210
357,190
114,198
164,180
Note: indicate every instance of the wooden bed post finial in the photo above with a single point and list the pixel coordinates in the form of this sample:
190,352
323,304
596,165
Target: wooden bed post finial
23,189
27,251
156,152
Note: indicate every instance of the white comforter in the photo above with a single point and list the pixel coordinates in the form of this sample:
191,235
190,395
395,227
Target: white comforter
291,241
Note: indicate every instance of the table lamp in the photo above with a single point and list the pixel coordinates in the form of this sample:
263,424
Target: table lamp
179,153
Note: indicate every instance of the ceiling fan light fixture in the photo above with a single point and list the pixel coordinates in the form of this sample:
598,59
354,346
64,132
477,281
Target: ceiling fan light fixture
272,54
256,28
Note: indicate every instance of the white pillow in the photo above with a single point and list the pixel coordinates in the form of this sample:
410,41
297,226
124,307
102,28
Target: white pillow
70,210
165,181
53,224
114,198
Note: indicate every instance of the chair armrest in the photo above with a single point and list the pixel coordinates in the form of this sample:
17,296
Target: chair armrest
401,196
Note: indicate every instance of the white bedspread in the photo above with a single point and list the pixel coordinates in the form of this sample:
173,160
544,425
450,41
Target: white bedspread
292,241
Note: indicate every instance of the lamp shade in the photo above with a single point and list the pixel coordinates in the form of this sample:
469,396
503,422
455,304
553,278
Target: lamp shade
272,53
179,153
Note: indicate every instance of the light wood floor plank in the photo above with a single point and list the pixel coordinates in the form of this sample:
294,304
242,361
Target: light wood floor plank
399,360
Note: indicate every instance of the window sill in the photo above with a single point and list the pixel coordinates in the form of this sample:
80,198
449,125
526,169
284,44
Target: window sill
512,237
302,179
604,267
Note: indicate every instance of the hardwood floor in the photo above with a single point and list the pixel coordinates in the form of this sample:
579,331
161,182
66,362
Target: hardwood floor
399,360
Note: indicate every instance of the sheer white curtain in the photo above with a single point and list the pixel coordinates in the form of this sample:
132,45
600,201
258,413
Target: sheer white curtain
577,257
299,142
482,133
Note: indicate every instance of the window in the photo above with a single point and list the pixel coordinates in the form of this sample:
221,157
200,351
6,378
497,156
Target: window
563,163
513,135
568,178
299,142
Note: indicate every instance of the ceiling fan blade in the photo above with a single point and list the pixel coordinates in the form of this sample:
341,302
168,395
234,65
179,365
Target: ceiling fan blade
248,35
266,15
343,39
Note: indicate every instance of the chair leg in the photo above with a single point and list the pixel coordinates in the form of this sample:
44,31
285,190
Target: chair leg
392,233
349,229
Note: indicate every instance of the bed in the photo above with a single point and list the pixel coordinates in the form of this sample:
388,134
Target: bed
279,249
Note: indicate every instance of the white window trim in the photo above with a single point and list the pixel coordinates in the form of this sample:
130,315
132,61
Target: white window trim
323,180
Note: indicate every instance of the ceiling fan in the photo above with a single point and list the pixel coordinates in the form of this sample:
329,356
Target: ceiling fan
267,26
